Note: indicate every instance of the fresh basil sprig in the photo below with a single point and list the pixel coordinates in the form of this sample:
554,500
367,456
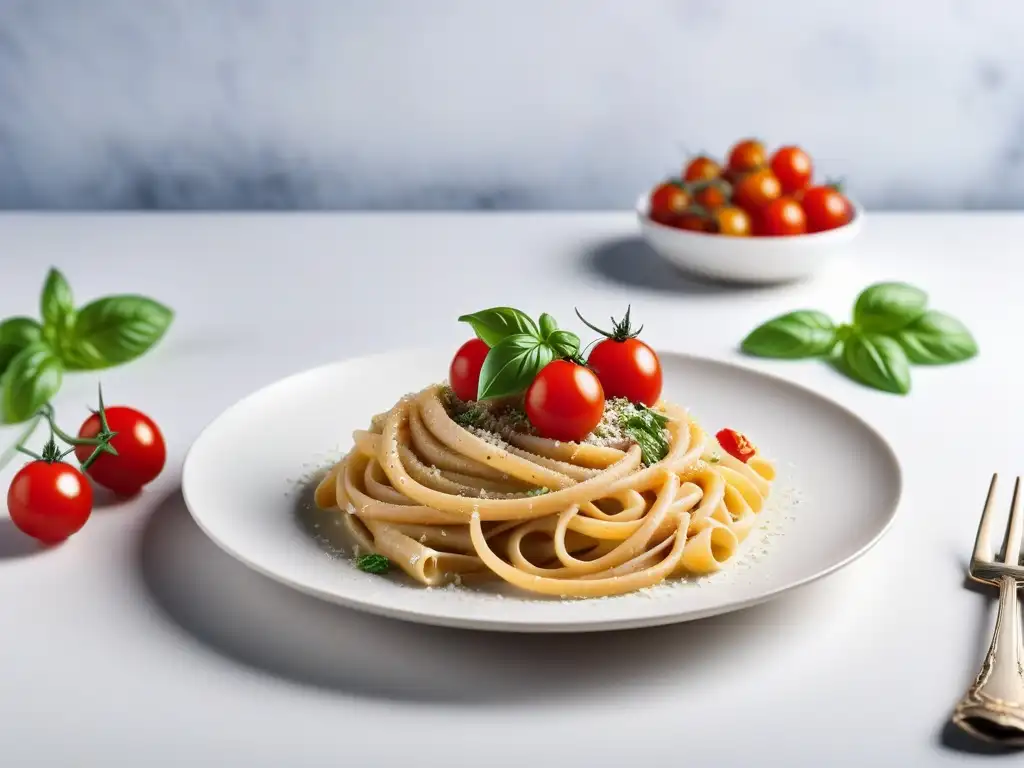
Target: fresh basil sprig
520,348
105,332
892,327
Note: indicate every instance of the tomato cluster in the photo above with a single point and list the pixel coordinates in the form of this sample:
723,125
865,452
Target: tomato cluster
566,399
753,194
119,448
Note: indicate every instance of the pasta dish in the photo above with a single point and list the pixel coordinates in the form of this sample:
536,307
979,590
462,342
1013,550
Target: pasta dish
564,482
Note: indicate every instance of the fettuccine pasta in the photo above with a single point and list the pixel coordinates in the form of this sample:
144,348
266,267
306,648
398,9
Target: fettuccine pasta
447,502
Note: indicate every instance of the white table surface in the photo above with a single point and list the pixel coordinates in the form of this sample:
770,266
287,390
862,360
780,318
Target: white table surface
140,643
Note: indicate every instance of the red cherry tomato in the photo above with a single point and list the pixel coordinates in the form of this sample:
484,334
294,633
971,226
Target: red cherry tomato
565,401
627,368
667,201
49,501
826,208
781,217
141,451
747,155
756,190
701,168
793,168
736,445
464,373
625,365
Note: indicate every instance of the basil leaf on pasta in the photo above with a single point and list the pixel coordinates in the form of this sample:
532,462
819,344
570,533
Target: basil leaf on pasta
877,361
887,307
494,325
936,338
512,364
805,333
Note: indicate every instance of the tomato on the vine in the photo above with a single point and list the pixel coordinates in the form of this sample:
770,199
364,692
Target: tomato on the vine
756,190
667,201
793,168
464,372
139,445
826,208
701,168
782,217
565,401
736,444
747,155
626,366
48,499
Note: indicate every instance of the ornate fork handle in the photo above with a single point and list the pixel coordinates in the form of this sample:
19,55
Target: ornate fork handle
993,707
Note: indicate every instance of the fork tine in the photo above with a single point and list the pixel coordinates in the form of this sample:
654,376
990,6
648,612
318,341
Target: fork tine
983,543
1011,552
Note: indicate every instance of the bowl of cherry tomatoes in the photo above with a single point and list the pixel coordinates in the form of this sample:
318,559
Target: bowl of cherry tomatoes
756,218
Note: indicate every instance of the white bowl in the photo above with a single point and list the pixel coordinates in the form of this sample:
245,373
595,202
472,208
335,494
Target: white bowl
762,260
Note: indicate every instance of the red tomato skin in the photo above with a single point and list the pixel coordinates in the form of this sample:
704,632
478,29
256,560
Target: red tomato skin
781,217
793,168
736,444
49,501
464,372
826,208
565,401
628,369
141,451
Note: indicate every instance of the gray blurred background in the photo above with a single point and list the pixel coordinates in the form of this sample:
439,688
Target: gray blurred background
476,104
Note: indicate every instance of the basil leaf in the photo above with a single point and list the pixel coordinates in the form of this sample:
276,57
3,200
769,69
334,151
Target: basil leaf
564,343
114,330
935,338
493,325
877,361
512,364
547,326
887,307
57,305
805,333
16,333
646,427
32,378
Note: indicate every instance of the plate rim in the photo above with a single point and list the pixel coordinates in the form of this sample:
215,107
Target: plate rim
413,615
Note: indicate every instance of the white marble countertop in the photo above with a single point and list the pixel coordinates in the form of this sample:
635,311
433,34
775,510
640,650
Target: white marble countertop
139,642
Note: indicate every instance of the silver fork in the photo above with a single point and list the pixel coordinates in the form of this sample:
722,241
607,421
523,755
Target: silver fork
993,707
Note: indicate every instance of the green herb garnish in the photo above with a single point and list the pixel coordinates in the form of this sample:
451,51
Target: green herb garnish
373,563
892,327
520,348
647,429
103,333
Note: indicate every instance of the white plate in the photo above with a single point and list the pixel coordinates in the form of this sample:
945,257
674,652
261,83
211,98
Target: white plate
242,477
748,260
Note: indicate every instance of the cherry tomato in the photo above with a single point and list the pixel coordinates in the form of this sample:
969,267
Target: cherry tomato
565,401
702,168
826,208
736,445
781,217
711,196
626,366
49,500
733,221
793,168
141,451
747,155
667,200
756,190
464,372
